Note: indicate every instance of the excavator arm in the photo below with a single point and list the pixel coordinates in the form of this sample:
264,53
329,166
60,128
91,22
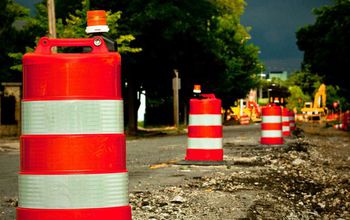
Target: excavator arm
320,97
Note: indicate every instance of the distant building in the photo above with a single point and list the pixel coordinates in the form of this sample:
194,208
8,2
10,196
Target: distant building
10,99
282,75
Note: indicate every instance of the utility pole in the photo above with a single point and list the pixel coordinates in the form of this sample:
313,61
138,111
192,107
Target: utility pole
176,88
51,18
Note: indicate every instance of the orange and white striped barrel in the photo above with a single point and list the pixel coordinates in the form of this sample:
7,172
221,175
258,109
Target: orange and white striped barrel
292,125
271,125
338,126
244,120
285,122
205,130
72,144
346,120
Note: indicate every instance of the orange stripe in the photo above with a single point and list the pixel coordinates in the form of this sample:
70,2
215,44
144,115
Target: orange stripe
285,112
205,131
205,106
273,110
123,212
72,153
204,155
264,140
271,126
285,123
72,76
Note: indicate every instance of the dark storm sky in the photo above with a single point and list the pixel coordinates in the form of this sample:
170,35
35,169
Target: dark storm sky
274,23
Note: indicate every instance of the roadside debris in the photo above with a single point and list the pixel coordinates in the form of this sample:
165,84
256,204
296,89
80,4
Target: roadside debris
298,181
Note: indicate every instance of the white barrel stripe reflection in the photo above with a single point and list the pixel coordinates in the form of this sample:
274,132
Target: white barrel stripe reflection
271,133
205,120
72,117
204,143
285,118
271,119
73,191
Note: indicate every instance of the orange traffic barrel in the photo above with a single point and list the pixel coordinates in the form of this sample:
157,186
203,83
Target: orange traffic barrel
73,160
338,126
346,121
292,125
271,125
205,130
285,122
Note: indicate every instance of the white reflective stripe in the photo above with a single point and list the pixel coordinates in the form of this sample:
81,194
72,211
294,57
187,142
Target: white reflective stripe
285,128
205,119
72,117
339,126
204,143
285,118
73,191
271,119
271,133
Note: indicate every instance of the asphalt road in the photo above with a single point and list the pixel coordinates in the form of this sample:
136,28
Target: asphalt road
144,157
143,154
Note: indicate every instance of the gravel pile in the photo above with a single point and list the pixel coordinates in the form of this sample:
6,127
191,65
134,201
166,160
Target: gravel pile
295,183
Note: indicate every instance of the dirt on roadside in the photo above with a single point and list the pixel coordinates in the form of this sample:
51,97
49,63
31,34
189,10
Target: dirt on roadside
306,178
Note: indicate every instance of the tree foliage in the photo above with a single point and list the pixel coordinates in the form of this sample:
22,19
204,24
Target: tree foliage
71,27
297,98
74,27
306,81
303,86
202,39
12,38
240,59
334,95
326,44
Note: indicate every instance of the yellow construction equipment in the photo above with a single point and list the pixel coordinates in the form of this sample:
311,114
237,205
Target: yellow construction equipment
244,107
317,109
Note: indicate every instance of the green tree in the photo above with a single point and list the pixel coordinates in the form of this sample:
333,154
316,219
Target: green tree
296,99
333,95
306,81
71,27
12,17
202,39
74,27
65,7
326,44
303,86
30,31
173,35
240,59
